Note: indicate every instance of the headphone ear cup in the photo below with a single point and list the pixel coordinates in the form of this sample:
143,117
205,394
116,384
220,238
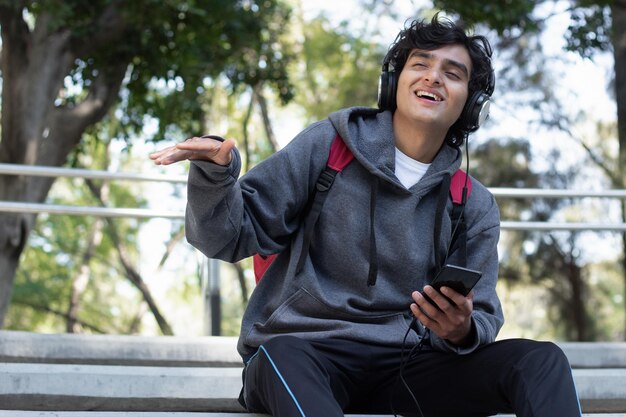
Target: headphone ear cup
475,112
476,109
387,84
382,86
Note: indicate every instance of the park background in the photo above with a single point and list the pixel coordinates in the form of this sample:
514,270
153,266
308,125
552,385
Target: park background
101,84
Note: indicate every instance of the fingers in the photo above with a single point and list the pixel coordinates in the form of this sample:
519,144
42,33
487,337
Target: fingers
196,148
450,315
157,154
424,311
198,144
169,156
208,149
461,302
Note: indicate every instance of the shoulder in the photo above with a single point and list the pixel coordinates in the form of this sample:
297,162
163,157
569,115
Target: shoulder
481,208
317,134
311,143
303,157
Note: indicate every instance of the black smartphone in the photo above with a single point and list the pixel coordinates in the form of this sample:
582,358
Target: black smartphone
460,279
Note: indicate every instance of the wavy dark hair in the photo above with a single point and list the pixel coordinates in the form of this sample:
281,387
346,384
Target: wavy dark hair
441,31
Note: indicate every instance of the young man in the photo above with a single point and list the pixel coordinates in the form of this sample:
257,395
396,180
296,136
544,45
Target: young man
333,335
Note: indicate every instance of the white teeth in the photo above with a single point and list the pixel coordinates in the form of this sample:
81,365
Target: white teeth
435,97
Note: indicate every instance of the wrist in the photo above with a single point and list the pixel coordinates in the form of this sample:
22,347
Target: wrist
467,338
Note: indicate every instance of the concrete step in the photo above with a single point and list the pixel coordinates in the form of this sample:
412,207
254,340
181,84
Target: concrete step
118,350
49,387
129,376
28,386
204,351
595,354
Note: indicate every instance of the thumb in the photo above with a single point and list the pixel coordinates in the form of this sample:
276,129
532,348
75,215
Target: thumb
224,155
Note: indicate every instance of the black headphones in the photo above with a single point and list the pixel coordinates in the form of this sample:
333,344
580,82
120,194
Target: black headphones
476,107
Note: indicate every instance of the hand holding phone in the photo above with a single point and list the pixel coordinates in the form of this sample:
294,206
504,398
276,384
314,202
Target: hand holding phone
460,279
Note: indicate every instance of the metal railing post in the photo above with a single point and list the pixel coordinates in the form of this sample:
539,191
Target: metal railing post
212,299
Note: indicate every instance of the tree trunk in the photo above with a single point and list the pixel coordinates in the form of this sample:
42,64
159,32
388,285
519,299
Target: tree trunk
241,278
79,284
579,313
132,273
624,267
244,129
135,277
618,13
267,123
34,129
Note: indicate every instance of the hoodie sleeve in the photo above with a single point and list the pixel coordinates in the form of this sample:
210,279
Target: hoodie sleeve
232,219
483,222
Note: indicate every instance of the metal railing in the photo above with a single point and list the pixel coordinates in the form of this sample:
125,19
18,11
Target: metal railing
23,207
210,282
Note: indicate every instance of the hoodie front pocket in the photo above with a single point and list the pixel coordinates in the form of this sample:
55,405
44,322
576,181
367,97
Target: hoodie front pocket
302,314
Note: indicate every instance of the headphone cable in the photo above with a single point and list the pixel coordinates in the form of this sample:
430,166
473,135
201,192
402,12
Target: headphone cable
403,362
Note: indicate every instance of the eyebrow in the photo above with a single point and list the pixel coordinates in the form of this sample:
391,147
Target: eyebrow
427,55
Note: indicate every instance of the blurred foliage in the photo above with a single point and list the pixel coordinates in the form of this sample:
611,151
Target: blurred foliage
51,262
338,69
173,48
58,247
589,29
500,15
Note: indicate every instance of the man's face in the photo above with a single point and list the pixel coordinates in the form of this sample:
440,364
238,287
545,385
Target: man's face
433,87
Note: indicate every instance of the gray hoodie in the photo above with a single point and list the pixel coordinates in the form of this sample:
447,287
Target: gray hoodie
232,219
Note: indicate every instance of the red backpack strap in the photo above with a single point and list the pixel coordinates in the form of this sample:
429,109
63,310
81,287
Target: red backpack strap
260,264
460,189
339,157
457,183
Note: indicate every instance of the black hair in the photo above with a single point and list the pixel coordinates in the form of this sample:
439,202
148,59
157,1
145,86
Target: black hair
441,31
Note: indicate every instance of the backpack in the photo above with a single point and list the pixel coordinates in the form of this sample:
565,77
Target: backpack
339,157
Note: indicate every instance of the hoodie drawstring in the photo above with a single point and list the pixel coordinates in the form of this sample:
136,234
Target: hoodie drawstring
373,270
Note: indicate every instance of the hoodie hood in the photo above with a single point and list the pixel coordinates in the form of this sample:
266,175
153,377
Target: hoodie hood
362,129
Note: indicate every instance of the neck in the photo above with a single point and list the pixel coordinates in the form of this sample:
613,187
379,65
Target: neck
416,141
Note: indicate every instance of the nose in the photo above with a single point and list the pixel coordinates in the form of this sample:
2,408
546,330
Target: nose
433,76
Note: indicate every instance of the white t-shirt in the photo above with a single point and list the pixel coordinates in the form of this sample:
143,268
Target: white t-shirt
408,170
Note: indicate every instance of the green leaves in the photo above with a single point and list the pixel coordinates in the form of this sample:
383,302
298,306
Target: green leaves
339,70
181,41
589,30
500,15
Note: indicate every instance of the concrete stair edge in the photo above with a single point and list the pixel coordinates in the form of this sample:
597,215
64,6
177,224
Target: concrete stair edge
17,346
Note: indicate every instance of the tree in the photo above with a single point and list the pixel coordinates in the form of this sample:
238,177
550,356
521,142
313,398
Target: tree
98,256
64,64
339,69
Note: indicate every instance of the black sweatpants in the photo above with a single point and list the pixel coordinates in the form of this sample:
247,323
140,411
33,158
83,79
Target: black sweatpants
289,376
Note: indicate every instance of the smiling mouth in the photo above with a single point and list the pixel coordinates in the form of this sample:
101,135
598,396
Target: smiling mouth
428,96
